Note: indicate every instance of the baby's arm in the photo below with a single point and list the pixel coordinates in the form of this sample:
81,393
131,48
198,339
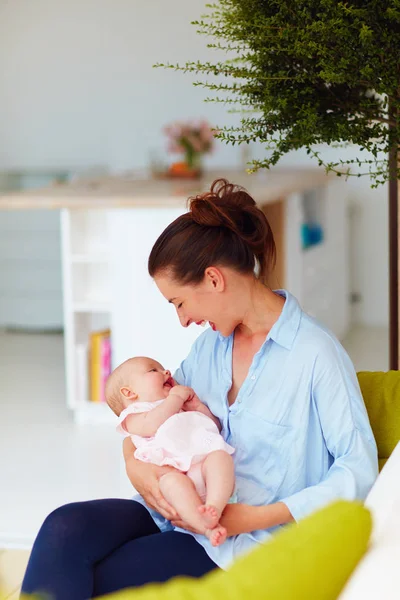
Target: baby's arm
146,424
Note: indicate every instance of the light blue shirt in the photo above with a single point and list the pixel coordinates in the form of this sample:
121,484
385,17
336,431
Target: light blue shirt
299,425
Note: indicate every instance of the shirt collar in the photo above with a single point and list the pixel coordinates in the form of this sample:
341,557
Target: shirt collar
284,330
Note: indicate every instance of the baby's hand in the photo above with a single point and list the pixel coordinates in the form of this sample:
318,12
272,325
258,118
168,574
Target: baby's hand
193,403
184,392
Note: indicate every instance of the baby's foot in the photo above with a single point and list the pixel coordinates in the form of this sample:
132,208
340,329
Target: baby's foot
210,515
217,536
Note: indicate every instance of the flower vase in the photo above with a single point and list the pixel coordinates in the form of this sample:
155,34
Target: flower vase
189,168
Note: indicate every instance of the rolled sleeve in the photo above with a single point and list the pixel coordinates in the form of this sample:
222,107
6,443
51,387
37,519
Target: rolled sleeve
347,434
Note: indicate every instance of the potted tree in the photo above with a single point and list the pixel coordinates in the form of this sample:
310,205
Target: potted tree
313,72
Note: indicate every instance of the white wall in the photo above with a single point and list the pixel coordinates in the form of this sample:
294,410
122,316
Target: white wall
369,250
77,82
77,89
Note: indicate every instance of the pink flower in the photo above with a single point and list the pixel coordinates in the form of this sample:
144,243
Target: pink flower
195,142
197,134
175,148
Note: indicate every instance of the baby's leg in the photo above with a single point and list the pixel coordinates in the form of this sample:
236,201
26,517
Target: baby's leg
219,476
179,490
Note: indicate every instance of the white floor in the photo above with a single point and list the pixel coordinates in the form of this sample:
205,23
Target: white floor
46,460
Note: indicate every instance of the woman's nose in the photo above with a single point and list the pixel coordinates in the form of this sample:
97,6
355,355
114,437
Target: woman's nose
184,321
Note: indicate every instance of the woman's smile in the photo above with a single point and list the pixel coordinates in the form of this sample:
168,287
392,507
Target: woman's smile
204,323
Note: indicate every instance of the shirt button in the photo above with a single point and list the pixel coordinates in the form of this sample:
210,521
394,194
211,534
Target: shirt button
253,377
239,400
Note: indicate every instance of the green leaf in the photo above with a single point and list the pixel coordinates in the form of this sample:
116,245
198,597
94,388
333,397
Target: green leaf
311,72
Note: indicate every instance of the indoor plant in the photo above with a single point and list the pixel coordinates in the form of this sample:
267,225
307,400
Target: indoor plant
313,72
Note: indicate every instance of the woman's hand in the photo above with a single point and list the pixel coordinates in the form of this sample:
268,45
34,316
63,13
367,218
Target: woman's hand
177,522
243,518
229,519
145,479
233,516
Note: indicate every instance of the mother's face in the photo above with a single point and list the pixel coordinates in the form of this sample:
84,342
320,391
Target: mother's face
203,302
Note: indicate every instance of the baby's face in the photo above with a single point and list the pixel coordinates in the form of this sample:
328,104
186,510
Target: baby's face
150,381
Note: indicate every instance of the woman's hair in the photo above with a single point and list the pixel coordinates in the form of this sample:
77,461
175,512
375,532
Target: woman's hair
223,227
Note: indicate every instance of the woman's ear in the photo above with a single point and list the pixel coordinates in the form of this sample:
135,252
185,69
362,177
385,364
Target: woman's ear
215,278
128,394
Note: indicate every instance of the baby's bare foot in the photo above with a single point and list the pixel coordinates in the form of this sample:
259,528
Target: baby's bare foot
210,515
217,536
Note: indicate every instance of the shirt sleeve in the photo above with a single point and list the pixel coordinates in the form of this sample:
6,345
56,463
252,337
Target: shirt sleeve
183,374
347,433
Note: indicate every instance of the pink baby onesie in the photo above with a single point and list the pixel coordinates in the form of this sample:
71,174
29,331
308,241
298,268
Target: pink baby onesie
182,441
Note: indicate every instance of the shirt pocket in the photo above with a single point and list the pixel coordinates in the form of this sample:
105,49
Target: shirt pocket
263,453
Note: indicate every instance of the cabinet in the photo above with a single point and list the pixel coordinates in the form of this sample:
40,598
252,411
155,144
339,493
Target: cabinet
86,302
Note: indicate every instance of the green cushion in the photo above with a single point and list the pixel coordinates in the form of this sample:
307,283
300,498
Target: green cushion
381,463
381,393
310,559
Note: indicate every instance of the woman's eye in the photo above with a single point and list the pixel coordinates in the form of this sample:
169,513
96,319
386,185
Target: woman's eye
179,305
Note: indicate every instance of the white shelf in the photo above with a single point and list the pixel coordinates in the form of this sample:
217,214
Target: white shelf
90,284
87,305
88,232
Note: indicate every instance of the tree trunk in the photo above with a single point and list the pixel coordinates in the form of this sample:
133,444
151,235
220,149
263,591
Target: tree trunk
394,266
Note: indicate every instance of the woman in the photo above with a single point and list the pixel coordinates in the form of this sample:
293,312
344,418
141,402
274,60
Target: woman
282,386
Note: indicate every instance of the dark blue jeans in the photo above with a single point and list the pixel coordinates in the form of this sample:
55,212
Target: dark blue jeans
87,549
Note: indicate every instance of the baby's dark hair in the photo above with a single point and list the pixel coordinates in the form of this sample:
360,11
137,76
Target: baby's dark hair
223,227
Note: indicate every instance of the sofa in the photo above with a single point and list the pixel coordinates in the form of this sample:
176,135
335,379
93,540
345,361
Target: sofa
346,551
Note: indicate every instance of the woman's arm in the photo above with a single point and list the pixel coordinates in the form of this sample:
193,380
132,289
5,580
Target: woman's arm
347,433
242,518
145,479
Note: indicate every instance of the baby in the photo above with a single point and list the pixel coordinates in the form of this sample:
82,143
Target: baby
169,425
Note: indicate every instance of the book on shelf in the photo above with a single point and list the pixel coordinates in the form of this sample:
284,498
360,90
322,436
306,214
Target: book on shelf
99,363
105,365
82,373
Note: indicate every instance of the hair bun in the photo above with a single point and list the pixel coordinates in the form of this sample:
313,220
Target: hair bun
224,226
225,205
